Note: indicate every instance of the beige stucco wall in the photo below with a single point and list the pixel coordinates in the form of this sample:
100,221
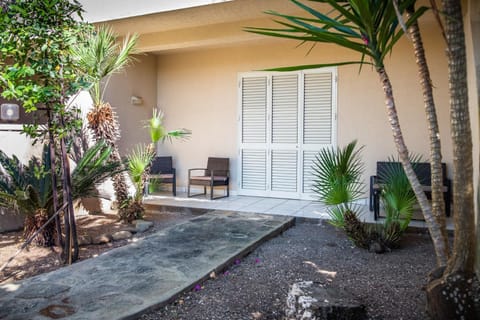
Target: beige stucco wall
139,79
198,90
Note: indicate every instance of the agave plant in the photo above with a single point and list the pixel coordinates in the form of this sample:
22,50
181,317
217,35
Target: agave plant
28,188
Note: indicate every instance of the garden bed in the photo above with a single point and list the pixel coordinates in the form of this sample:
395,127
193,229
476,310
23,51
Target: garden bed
256,287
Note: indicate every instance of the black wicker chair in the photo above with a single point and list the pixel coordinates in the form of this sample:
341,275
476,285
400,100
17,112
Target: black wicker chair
162,169
217,173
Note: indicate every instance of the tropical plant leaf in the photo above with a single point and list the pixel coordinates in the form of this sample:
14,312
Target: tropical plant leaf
158,132
138,161
398,198
100,55
338,174
369,27
92,169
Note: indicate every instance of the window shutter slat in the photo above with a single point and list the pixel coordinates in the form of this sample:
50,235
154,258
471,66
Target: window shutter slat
317,128
284,170
254,170
254,110
285,108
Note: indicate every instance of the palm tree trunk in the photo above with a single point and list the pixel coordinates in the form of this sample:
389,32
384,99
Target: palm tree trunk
119,183
453,294
71,241
54,180
102,120
402,150
438,205
46,237
463,257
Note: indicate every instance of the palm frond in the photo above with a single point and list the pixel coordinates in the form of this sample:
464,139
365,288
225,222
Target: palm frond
158,132
369,27
92,169
398,198
338,174
177,134
100,55
138,161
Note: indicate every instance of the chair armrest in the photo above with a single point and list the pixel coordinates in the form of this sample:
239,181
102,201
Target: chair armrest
195,169
212,173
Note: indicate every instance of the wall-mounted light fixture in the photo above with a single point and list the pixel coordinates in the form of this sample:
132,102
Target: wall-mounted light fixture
9,112
136,101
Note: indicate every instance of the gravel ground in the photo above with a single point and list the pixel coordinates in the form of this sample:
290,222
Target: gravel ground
256,287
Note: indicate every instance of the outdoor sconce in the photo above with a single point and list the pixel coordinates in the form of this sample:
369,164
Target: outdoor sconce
9,112
136,101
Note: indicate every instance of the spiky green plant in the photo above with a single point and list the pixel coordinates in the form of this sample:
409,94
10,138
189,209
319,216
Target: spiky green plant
397,196
338,181
100,56
398,199
138,161
158,131
28,188
371,29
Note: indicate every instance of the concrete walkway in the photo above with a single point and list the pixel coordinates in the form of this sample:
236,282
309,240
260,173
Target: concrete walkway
124,282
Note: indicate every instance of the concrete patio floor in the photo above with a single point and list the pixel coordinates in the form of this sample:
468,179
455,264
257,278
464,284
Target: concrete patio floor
274,206
127,281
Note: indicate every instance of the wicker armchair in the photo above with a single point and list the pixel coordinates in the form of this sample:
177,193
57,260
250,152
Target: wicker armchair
216,173
162,169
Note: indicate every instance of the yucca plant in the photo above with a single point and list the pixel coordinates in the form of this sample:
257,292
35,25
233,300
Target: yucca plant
99,57
28,188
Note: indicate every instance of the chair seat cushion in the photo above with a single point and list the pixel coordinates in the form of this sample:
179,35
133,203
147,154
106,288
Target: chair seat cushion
207,178
161,176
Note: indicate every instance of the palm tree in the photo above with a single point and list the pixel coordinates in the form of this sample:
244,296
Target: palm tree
28,188
99,57
370,28
438,204
458,279
139,161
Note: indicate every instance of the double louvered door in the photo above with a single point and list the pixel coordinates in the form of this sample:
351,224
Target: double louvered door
285,119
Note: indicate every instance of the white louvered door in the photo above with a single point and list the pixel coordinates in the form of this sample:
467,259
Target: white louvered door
285,119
